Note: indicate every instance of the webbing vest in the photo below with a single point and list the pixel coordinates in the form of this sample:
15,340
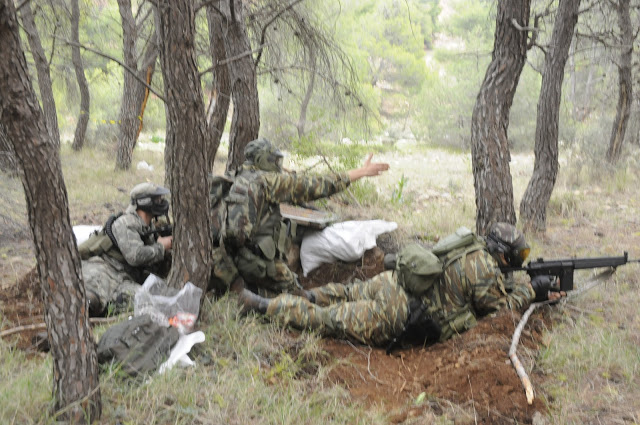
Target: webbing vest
460,318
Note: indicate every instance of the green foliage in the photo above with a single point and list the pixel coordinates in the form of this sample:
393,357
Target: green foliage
396,195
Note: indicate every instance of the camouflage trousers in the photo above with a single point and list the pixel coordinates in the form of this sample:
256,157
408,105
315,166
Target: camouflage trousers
372,312
268,278
109,282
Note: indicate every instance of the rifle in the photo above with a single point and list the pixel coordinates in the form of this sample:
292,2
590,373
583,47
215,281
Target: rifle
162,231
563,269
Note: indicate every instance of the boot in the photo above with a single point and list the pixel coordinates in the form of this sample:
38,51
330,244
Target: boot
41,341
237,286
252,302
96,308
304,293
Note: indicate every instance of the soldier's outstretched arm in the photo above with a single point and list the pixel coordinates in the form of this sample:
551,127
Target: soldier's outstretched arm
368,169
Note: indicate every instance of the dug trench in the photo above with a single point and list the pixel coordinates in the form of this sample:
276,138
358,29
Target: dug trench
469,374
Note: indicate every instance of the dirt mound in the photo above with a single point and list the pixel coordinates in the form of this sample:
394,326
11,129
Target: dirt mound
472,370
22,306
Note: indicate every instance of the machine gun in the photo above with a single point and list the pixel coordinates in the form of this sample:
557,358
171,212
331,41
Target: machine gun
563,269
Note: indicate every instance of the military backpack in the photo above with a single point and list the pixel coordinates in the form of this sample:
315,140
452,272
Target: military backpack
100,241
139,344
418,268
233,210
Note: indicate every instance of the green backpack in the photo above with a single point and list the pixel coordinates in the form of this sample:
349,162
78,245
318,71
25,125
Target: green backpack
100,241
418,268
139,344
233,210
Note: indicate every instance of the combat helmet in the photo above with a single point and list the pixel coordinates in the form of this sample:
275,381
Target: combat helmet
504,238
149,197
263,155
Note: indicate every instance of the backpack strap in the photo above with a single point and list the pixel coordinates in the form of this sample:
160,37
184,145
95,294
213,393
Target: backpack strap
108,228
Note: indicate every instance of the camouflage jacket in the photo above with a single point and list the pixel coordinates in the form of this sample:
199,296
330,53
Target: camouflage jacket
135,249
470,287
270,189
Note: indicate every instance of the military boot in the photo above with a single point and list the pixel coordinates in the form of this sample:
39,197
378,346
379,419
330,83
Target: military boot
252,302
96,308
304,293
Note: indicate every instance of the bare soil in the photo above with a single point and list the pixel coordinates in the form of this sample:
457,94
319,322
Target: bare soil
472,370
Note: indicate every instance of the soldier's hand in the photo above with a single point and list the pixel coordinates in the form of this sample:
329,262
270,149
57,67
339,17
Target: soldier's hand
166,242
368,169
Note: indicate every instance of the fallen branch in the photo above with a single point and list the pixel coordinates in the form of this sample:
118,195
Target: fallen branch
526,382
42,325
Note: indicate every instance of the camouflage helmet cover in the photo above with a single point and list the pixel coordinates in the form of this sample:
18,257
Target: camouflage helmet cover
263,155
147,197
505,238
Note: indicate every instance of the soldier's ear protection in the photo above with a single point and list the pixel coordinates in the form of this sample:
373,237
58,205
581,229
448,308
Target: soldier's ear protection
515,257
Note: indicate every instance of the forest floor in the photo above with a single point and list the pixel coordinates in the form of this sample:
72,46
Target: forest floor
469,378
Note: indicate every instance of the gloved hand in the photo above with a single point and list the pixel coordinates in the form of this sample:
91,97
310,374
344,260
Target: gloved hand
542,284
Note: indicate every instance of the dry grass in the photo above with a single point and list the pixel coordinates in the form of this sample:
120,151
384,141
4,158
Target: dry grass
249,372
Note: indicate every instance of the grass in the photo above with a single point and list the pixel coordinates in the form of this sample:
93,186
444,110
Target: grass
252,372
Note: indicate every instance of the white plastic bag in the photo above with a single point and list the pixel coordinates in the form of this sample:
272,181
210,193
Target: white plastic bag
168,306
346,241
83,231
180,350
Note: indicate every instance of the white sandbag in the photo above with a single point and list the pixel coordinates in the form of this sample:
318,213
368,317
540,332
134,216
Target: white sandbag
82,232
346,241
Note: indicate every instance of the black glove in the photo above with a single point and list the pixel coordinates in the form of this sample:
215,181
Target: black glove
542,284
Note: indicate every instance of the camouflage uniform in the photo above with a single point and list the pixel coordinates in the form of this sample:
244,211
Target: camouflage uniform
370,312
375,311
472,286
262,260
117,274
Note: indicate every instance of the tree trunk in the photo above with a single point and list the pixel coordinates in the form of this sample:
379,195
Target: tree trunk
533,208
8,163
304,106
221,82
245,123
75,366
76,59
134,94
42,69
186,144
490,120
625,90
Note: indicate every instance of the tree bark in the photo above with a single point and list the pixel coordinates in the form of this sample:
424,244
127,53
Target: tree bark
42,69
625,89
134,94
490,120
76,59
186,144
245,123
533,208
75,367
221,83
8,163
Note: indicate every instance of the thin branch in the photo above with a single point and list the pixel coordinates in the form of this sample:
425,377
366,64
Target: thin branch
521,28
526,382
264,29
209,3
348,190
104,55
231,59
42,325
21,5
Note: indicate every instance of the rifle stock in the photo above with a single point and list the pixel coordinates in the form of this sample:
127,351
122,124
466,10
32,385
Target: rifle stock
563,269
